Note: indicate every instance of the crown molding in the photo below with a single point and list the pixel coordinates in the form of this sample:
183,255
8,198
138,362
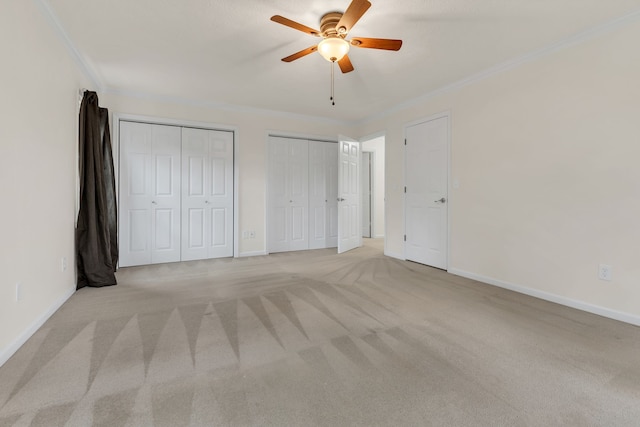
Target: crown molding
573,40
80,60
225,107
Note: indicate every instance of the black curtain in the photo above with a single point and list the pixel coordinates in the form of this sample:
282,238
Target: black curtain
97,229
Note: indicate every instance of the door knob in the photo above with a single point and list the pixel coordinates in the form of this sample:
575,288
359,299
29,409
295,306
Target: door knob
206,201
154,202
340,199
441,200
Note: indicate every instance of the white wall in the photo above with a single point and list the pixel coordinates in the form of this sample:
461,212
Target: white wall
38,140
547,159
376,146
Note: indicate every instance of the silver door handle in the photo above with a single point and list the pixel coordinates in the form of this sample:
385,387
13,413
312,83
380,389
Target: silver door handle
340,199
441,200
154,202
206,201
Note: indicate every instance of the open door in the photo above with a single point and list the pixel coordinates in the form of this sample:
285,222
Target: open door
349,201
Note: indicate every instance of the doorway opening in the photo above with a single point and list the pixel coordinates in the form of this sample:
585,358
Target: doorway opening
373,187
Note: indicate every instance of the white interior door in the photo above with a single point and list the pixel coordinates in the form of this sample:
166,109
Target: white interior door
165,205
278,194
365,173
331,151
317,195
149,194
134,208
288,194
349,217
323,190
426,198
220,194
298,183
207,194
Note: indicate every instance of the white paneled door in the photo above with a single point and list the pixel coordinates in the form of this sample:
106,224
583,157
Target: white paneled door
349,201
207,194
149,194
323,194
175,193
426,198
288,194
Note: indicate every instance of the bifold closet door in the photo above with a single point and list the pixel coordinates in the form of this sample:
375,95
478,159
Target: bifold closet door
149,194
323,194
288,194
207,194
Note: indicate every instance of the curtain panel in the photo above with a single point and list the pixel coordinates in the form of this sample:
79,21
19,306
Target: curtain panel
97,227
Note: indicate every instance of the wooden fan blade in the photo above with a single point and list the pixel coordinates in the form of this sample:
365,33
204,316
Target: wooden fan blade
354,12
296,26
368,43
345,64
303,52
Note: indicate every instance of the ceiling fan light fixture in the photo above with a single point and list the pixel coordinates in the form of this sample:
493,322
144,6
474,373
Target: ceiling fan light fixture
333,49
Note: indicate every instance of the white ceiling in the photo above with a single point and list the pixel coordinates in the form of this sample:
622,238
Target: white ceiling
228,51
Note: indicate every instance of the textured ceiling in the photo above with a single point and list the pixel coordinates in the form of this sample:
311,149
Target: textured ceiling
228,51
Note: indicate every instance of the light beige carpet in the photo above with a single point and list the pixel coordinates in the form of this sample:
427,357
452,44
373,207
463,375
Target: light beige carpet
315,338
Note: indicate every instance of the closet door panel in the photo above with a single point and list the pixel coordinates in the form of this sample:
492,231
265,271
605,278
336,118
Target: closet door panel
279,194
331,157
219,201
195,176
138,234
299,189
323,193
135,194
317,195
195,156
207,200
196,230
165,203
219,228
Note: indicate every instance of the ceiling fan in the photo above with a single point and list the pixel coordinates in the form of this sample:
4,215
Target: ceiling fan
334,27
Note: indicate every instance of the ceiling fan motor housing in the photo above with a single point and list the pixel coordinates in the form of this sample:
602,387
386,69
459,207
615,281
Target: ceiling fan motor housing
328,24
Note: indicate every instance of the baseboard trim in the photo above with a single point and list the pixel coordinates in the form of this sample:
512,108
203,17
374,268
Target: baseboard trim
254,253
547,296
9,351
394,255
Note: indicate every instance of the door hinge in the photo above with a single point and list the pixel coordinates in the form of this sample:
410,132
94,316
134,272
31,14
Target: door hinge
405,237
405,188
405,141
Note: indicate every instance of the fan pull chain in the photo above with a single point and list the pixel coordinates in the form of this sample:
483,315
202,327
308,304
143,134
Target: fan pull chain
333,102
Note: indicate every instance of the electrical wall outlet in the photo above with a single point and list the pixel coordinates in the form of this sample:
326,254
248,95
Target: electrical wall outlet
605,272
252,234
